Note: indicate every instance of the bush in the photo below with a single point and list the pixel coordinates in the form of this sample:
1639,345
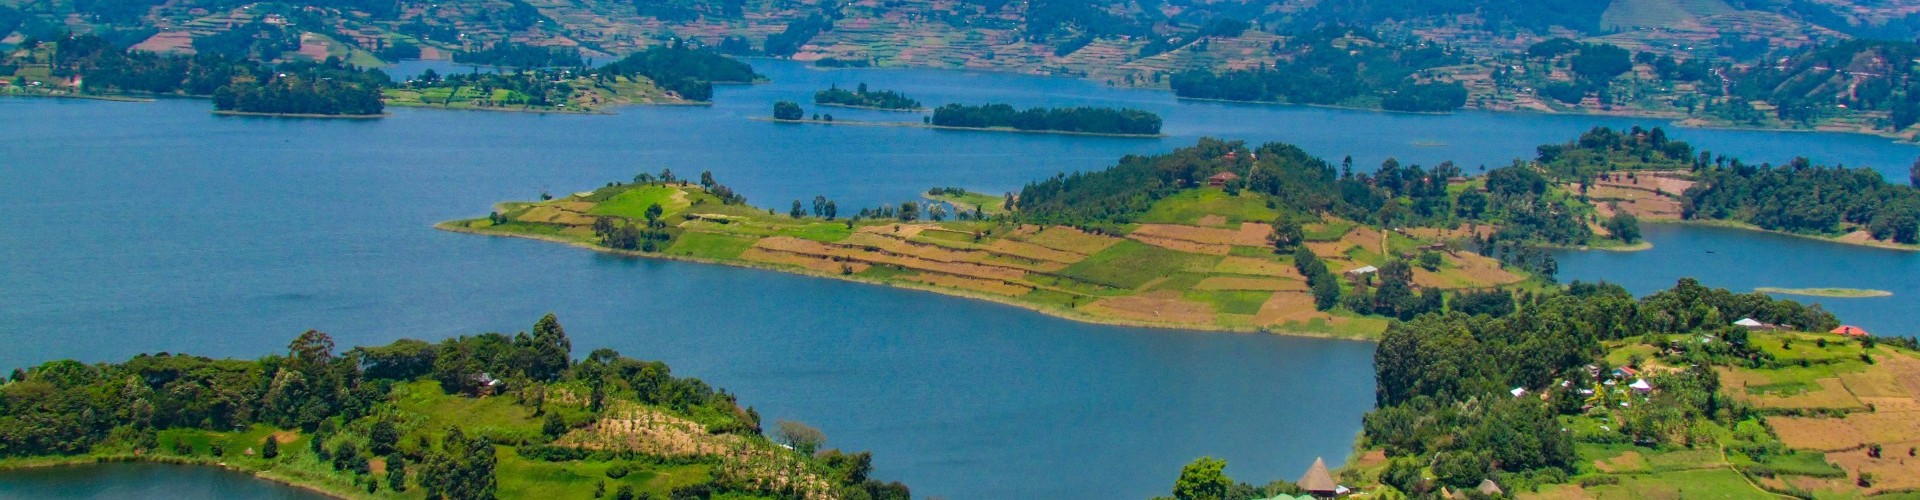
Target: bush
619,471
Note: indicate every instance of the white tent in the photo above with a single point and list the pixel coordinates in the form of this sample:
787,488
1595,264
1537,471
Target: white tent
1641,385
1749,323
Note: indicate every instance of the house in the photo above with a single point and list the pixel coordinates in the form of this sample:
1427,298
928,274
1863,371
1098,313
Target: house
1489,489
1518,391
1625,372
1640,385
1752,324
1318,482
1221,179
1849,331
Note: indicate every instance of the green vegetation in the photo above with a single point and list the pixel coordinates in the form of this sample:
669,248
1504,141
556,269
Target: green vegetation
473,417
861,98
1339,66
1079,120
96,67
685,71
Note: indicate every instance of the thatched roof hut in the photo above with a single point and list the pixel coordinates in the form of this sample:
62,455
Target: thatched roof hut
1317,481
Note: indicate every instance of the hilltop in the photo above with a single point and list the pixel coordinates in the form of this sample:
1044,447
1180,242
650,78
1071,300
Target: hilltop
471,417
1220,236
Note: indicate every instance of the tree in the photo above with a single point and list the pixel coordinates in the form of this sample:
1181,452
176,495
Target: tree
462,469
553,426
788,110
706,179
381,437
832,210
819,206
396,472
797,211
553,351
1624,227
1913,174
801,437
1287,235
270,449
1203,479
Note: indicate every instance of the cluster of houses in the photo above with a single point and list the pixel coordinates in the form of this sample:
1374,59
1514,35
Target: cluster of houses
1319,484
1757,325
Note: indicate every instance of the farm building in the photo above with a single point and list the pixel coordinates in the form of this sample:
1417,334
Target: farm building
1221,179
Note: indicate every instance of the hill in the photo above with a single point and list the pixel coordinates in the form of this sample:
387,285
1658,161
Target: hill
472,417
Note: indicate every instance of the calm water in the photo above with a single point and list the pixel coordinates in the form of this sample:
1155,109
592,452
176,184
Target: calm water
139,480
227,236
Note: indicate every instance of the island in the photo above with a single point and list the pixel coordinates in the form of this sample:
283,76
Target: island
861,98
1837,293
1218,236
1641,173
1572,398
471,417
1080,120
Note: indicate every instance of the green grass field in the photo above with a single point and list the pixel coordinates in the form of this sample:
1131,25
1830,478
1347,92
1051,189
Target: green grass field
1129,264
709,245
1189,206
633,203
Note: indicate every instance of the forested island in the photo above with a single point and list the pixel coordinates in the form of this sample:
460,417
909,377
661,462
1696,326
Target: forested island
471,417
1219,235
515,55
1086,120
1641,173
1587,392
861,98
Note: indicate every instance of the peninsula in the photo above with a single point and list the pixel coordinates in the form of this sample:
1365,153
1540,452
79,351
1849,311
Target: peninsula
1216,236
471,417
1569,398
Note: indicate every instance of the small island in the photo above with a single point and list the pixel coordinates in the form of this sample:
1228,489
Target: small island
1838,293
1217,236
1081,120
472,417
861,98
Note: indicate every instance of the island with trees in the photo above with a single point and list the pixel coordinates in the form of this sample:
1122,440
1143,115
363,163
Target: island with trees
471,417
1336,66
1588,392
1643,174
862,98
1078,120
1219,235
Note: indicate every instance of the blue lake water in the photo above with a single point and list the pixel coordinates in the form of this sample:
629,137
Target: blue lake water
143,480
144,227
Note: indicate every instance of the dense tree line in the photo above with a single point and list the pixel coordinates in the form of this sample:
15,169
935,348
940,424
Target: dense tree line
683,70
344,401
1804,88
517,55
1443,380
329,87
884,99
1322,67
538,87
1077,119
797,33
256,41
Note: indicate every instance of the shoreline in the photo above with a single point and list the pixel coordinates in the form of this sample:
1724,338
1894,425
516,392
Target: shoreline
268,475
871,108
451,226
1733,224
299,115
863,123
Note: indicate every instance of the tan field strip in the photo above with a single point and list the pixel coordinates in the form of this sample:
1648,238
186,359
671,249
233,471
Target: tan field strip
1255,284
1065,239
1162,306
1179,245
1257,267
975,284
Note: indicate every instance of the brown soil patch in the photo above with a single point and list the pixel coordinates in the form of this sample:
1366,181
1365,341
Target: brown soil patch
812,262
1285,307
1893,471
902,231
1249,234
1482,269
177,41
1257,284
1257,267
1066,239
1035,252
978,285
1180,245
1625,462
1161,306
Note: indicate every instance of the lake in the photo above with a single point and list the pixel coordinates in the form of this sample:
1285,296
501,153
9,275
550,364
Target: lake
146,227
143,480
